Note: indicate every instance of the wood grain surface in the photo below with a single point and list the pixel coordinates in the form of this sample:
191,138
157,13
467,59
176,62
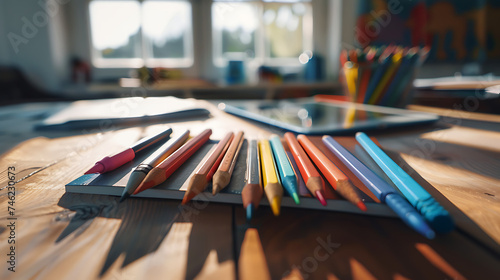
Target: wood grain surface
75,236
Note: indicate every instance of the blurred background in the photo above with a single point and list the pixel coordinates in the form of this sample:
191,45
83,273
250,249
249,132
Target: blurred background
86,49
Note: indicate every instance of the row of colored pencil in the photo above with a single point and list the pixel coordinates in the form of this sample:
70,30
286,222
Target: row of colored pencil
285,163
276,165
381,75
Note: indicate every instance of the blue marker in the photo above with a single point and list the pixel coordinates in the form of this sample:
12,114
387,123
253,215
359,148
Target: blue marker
434,213
382,190
285,170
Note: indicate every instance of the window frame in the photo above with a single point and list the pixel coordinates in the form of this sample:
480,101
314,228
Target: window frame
330,27
145,60
262,56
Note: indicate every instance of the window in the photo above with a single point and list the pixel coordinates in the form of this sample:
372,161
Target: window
266,31
141,33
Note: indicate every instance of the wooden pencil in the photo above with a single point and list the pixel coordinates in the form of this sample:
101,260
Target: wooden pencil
217,163
314,182
270,179
198,181
161,172
252,191
335,177
222,177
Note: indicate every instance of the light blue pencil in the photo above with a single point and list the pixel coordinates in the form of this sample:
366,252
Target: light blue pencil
285,170
433,212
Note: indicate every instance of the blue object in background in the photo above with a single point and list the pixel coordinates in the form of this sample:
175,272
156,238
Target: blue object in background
314,69
235,72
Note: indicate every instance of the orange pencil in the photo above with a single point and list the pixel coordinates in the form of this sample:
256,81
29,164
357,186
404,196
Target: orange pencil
311,176
226,168
161,172
335,177
198,181
344,57
353,55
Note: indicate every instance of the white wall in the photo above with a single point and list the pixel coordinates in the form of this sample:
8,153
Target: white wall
35,41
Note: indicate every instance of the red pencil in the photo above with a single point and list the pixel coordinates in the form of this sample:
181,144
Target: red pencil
311,176
161,172
335,177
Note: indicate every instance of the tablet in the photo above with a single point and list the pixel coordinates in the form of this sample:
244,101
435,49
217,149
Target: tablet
313,117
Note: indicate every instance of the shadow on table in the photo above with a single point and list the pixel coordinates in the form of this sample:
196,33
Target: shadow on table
146,223
464,223
321,245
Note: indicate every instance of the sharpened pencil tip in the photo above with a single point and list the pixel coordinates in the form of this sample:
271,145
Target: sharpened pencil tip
249,211
295,197
215,189
187,197
144,186
276,205
124,196
361,206
320,197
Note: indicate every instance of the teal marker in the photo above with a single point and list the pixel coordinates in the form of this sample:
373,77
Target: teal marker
285,170
438,218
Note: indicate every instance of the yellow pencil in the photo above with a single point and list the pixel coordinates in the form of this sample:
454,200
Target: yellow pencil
272,185
351,76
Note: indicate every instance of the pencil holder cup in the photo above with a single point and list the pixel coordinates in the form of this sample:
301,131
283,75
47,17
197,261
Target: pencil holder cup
381,76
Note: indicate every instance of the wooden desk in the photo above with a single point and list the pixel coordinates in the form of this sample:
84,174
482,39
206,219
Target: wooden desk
60,235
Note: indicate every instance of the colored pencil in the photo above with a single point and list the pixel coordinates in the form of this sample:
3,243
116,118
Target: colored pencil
224,172
344,57
388,75
284,167
111,163
335,177
351,77
311,176
426,205
378,72
140,172
217,163
161,172
270,178
301,185
353,55
200,178
252,191
383,191
403,69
